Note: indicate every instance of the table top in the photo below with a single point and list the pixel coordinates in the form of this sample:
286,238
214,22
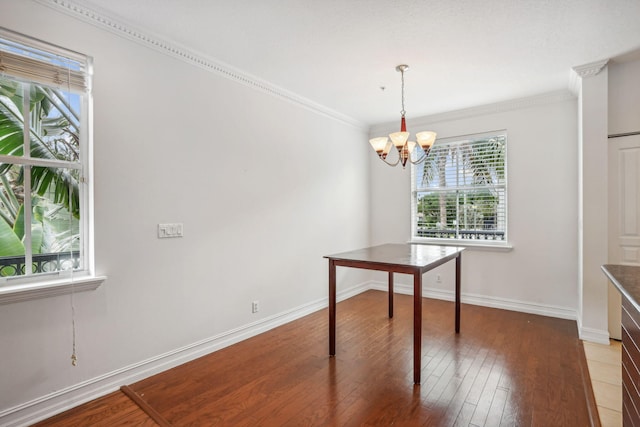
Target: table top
627,279
400,254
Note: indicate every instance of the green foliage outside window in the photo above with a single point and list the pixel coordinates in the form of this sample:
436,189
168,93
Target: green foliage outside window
52,121
460,190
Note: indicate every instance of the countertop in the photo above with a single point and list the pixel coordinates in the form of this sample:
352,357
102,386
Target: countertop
626,279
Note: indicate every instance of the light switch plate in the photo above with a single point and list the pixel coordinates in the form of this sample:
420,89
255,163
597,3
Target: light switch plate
170,230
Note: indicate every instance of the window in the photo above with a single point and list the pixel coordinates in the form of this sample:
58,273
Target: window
459,195
44,140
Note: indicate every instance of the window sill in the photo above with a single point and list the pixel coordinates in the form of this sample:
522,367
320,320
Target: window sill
48,288
479,244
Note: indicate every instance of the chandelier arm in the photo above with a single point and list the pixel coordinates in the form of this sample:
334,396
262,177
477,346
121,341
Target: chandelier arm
389,163
420,160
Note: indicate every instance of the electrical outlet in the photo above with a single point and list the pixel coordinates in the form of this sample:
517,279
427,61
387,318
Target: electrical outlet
438,279
255,307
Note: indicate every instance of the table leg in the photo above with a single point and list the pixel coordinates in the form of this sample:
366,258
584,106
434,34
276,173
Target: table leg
332,308
458,265
417,326
390,294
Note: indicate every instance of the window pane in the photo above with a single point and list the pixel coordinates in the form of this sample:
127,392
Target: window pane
460,191
436,215
482,215
53,115
57,116
11,117
12,251
54,232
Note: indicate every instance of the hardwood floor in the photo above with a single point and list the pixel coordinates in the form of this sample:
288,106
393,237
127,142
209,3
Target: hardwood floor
114,409
504,369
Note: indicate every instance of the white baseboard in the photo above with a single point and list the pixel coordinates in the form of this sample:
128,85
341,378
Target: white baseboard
484,301
77,394
597,336
586,334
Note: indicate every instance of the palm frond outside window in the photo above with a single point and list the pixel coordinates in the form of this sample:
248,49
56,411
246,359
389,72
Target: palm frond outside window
43,108
460,193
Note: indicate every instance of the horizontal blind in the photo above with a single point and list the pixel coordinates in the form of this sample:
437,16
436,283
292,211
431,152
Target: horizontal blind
460,191
60,69
458,164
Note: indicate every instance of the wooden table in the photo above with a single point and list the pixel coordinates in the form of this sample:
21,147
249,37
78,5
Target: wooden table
415,259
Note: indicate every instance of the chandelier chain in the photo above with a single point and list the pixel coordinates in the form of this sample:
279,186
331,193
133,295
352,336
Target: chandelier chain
402,112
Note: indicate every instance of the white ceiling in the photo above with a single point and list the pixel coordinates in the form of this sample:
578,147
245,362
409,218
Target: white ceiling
338,53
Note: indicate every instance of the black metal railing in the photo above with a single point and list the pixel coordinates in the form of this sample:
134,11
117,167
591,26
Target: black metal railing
42,263
451,233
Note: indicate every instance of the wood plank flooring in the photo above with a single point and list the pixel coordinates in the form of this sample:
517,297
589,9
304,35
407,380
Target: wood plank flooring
504,369
114,409
605,370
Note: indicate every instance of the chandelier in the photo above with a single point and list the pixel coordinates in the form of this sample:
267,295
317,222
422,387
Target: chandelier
400,140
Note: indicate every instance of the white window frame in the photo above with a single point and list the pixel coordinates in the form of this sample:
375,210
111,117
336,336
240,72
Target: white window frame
32,286
467,242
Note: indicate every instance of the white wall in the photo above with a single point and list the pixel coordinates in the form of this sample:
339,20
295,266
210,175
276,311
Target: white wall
624,96
263,186
540,273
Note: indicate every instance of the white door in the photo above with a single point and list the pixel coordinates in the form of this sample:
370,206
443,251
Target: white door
624,214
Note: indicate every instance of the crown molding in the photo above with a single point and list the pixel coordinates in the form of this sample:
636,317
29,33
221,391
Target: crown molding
580,72
590,69
498,107
147,39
